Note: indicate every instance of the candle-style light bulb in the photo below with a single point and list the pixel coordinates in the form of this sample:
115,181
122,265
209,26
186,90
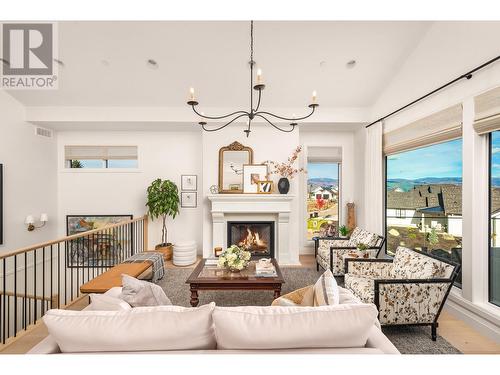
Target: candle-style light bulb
314,97
259,76
191,93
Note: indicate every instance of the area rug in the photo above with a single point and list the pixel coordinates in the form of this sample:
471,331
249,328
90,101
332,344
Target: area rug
408,340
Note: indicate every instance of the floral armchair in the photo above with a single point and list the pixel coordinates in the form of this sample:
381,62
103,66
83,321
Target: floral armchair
409,289
330,251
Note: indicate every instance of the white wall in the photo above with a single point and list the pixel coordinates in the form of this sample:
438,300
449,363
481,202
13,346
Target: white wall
165,155
348,193
359,175
30,178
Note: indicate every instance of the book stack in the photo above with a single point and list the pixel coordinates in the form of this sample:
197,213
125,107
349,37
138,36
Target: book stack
211,262
265,270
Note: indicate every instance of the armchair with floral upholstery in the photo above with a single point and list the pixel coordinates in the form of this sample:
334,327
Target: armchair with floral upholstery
410,289
330,251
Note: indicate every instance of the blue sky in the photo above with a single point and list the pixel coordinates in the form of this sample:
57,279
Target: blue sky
495,154
440,160
322,170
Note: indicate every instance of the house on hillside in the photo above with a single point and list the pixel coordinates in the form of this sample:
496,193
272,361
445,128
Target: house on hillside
431,206
323,192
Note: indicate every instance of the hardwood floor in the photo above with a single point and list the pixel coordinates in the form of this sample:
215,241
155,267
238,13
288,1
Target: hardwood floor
455,331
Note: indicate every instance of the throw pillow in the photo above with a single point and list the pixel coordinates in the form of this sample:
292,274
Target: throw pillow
308,299
326,290
102,302
142,293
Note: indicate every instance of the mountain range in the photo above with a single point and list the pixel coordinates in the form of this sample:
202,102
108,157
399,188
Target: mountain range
323,181
407,184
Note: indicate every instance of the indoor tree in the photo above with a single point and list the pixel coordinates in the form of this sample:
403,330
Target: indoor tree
163,201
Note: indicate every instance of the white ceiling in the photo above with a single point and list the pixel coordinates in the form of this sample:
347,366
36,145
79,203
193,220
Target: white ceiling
296,58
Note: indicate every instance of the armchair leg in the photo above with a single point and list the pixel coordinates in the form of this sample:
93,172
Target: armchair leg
317,266
434,331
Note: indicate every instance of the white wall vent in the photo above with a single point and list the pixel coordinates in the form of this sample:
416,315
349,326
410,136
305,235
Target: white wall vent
42,132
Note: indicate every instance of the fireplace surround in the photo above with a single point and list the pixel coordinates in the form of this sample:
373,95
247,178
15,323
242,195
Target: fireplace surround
256,236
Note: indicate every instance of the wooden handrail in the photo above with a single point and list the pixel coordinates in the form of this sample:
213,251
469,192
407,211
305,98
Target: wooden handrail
72,237
28,296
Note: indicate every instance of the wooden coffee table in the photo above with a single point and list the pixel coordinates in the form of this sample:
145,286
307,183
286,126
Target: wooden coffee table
213,278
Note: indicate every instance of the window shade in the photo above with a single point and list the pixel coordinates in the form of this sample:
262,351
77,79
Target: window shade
487,108
438,127
320,154
100,152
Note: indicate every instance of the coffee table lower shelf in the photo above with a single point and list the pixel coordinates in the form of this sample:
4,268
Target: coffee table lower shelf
201,279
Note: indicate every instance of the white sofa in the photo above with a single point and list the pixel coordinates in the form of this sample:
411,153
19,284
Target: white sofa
342,329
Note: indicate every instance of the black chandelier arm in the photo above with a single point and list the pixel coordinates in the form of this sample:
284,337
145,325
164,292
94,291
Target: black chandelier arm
277,127
313,107
258,101
223,126
218,117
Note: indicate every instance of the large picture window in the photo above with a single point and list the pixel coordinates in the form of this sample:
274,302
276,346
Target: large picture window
494,251
424,200
322,197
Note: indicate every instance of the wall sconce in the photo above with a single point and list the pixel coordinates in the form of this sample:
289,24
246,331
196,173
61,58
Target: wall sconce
30,222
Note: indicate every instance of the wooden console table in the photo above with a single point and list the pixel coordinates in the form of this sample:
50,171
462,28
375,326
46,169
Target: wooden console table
113,277
212,278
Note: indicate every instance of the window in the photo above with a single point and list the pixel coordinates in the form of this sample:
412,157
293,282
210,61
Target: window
494,251
424,200
322,198
100,157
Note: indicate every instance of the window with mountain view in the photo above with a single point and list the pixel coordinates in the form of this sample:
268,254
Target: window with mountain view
424,200
322,198
494,258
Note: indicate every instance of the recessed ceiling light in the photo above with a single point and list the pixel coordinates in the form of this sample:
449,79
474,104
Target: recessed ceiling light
5,62
322,64
152,64
351,64
105,62
59,62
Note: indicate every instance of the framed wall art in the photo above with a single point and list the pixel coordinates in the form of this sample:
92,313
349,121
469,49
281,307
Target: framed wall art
189,199
252,174
189,182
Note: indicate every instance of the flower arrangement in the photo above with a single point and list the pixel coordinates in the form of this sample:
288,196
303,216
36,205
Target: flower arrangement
234,258
286,169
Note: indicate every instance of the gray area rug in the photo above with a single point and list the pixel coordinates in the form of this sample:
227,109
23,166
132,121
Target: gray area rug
408,339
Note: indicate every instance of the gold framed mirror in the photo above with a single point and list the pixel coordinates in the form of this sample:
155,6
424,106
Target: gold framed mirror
231,161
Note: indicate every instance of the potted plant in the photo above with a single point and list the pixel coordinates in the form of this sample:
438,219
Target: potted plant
344,231
285,170
234,259
362,247
163,201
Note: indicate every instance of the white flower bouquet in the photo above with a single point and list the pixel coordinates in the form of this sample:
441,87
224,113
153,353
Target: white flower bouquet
234,258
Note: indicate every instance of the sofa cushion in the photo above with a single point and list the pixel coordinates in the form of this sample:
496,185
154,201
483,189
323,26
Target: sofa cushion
409,264
362,287
326,290
142,293
103,302
138,329
359,235
277,327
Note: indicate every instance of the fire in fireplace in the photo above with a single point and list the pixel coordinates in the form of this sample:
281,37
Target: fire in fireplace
256,236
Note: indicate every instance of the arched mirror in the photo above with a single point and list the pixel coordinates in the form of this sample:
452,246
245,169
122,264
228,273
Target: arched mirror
231,161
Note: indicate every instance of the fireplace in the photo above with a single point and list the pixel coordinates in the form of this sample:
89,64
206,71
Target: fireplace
255,236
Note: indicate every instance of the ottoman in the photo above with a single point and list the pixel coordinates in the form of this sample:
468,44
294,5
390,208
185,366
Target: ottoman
184,253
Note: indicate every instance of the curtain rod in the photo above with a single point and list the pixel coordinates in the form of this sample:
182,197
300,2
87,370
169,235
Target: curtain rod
467,75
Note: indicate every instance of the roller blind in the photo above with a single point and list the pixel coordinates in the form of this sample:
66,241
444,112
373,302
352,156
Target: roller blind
487,111
320,154
442,126
100,152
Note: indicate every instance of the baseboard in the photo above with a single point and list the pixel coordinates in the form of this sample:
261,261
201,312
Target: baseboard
474,316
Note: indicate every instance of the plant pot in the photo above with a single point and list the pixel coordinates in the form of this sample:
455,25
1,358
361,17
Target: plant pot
283,185
166,249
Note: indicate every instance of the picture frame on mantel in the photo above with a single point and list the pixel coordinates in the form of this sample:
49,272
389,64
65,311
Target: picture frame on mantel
252,174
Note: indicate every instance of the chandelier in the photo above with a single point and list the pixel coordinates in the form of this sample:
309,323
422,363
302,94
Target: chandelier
253,112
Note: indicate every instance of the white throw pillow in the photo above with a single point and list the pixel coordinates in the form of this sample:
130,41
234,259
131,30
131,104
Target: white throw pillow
286,302
276,327
326,290
156,328
142,293
102,302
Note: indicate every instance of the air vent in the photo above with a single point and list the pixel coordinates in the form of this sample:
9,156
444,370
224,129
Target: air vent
42,132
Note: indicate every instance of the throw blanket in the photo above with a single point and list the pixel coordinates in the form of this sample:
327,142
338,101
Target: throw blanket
156,259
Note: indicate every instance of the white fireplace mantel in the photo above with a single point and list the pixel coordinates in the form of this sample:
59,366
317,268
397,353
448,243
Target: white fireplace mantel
280,206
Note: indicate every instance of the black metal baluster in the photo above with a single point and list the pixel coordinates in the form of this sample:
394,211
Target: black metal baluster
15,295
29,308
43,282
66,256
4,302
34,288
51,277
58,275
25,288
89,253
72,268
